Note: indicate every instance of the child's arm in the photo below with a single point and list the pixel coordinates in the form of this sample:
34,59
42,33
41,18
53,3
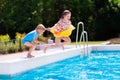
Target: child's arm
38,42
56,26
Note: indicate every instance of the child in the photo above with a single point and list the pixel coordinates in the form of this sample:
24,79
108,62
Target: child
61,30
30,40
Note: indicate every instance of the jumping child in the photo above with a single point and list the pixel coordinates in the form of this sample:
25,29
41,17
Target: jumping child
61,30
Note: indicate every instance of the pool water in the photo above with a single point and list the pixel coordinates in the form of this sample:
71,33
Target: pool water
98,65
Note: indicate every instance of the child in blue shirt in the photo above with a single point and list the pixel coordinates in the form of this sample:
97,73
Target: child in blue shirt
30,39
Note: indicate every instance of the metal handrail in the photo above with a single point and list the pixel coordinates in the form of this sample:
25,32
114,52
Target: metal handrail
78,31
83,36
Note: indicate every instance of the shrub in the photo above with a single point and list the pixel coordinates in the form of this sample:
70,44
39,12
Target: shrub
3,49
19,35
42,38
12,47
4,37
3,41
8,47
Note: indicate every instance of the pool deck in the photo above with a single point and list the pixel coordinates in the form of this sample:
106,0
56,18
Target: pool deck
11,64
18,62
23,54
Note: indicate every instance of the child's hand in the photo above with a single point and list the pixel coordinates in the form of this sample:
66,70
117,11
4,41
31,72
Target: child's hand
40,42
48,29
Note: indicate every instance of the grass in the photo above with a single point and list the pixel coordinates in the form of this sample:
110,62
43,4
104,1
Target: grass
115,40
89,42
112,41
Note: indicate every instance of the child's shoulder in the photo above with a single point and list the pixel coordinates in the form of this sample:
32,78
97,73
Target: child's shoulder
32,32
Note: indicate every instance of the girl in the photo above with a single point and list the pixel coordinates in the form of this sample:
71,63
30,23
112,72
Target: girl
61,30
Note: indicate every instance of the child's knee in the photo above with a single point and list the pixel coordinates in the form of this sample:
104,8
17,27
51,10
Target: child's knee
69,41
33,46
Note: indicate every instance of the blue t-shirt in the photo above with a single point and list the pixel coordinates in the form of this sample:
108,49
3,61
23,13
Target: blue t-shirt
30,36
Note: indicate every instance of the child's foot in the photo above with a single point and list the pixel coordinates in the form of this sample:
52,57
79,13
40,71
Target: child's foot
62,47
45,49
29,56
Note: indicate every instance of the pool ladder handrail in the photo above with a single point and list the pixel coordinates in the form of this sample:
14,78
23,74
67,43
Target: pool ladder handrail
84,37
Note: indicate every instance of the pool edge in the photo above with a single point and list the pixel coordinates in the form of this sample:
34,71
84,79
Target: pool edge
21,65
14,67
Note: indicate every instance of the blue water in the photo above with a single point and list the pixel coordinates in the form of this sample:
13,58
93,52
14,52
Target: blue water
100,65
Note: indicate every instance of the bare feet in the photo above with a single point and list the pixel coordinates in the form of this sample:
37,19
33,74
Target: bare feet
45,49
62,47
29,56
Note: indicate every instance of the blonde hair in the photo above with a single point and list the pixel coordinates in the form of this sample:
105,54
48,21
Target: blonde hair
40,26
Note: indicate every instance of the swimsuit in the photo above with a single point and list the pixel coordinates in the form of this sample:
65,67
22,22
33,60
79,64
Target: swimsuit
64,29
30,37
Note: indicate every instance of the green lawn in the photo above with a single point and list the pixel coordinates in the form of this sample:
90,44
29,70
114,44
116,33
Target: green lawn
89,42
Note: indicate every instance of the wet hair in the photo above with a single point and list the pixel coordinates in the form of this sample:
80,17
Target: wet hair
65,12
40,26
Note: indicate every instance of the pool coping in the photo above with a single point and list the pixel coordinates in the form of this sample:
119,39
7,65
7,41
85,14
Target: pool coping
10,67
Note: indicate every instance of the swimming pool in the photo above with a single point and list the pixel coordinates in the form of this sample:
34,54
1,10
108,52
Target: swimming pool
98,65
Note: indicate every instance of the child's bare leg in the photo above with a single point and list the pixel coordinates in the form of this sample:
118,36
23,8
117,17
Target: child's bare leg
62,45
31,48
30,51
49,46
57,43
67,40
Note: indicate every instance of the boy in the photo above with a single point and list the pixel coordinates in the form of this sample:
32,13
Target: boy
30,40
